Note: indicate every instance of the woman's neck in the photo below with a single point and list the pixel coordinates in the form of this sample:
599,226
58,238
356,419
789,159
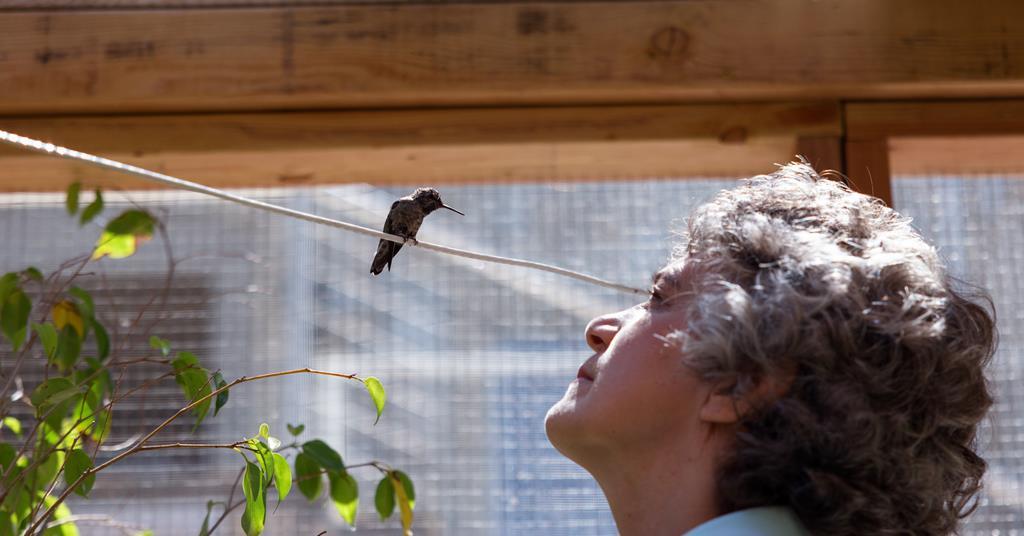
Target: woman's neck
661,491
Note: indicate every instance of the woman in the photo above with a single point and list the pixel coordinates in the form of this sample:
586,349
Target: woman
804,365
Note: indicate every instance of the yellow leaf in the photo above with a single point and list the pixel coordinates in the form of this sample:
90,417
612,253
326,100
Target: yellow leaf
114,245
403,504
66,312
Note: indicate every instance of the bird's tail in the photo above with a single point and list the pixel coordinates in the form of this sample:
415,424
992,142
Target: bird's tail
383,257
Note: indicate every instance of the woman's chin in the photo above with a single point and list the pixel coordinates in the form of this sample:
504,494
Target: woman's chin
563,422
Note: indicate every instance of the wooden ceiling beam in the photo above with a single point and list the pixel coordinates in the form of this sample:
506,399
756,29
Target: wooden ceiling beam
422,146
505,53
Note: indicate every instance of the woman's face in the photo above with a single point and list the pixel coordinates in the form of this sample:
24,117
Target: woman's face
635,390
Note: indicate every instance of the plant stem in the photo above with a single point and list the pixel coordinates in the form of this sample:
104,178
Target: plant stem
142,442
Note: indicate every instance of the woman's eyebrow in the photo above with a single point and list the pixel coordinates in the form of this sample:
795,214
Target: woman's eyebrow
669,276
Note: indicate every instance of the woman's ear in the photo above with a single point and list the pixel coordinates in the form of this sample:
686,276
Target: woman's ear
722,406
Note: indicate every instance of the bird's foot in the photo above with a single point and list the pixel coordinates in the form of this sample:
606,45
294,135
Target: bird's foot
411,239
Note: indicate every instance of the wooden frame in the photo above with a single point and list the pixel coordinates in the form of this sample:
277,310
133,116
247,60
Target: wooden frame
931,137
282,92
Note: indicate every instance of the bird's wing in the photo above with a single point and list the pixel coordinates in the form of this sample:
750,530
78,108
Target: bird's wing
385,248
396,225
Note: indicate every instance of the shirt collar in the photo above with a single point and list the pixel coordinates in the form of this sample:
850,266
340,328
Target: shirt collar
760,521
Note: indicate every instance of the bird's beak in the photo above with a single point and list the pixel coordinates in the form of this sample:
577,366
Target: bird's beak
451,209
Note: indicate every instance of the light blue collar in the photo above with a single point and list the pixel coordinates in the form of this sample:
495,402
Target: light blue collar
761,521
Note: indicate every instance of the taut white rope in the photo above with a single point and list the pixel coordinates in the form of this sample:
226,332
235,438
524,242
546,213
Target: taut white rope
63,152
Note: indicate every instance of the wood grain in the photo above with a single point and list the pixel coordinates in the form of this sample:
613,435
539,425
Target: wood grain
985,117
957,155
408,55
475,145
867,167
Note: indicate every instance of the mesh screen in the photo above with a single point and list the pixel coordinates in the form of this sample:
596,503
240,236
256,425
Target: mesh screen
977,222
472,354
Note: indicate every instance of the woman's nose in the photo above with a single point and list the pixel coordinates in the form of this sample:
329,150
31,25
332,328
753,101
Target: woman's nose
601,330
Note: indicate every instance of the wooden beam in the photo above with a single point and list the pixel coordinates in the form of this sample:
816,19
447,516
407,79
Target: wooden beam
989,117
957,155
447,54
438,146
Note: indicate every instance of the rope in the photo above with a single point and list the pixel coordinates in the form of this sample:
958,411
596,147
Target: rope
63,152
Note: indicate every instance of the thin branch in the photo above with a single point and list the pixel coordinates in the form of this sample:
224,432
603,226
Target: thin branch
98,519
224,515
142,442
228,507
235,445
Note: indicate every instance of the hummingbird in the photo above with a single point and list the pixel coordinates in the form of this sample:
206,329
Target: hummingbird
404,220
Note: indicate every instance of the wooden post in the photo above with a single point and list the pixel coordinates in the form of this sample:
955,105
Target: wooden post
822,152
867,167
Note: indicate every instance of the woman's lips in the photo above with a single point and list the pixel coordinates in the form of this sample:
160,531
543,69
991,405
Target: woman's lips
583,374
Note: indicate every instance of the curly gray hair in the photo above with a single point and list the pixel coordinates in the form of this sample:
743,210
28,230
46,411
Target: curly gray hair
794,273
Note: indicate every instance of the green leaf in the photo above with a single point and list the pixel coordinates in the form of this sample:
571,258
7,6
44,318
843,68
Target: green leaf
205,529
85,305
324,455
102,340
46,471
255,513
222,397
132,222
69,347
7,455
282,477
344,495
185,360
264,430
14,425
53,391
71,201
14,316
195,384
77,463
376,390
307,473
48,336
157,343
61,512
8,282
296,430
384,499
93,209
53,398
33,273
122,235
92,416
98,374
264,457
